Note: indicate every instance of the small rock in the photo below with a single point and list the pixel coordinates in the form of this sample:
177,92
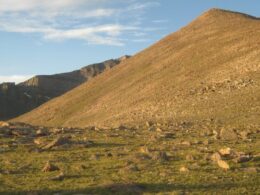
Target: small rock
148,124
38,141
94,128
244,135
57,142
225,151
184,169
131,168
189,157
167,135
215,157
243,158
58,177
50,167
162,156
41,132
122,127
145,150
206,142
228,134
251,170
109,154
185,143
158,129
94,157
223,164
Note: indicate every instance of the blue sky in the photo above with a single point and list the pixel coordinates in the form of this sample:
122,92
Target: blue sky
46,37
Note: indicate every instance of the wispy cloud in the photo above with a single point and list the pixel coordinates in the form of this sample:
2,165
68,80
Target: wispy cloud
15,78
96,22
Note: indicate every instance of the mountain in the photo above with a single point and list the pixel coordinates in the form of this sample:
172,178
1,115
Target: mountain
21,98
206,71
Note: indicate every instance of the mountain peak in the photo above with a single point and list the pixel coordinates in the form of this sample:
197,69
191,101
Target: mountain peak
217,12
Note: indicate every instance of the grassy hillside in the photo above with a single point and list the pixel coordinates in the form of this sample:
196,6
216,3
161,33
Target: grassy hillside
207,70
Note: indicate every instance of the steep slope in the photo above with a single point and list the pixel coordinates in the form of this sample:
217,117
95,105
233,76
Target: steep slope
21,98
208,70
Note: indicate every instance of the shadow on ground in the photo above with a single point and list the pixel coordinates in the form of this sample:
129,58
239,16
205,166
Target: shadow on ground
136,189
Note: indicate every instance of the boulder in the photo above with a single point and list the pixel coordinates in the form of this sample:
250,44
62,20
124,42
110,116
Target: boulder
57,142
225,152
161,156
145,150
59,177
189,157
42,132
223,164
243,158
215,157
184,169
228,134
48,167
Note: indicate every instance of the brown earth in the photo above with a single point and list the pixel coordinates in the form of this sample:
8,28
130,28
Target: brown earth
208,70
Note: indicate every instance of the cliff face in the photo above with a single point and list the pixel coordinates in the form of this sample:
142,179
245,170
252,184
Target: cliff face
18,99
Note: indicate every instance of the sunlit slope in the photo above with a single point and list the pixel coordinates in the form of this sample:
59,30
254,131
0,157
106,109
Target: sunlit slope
209,69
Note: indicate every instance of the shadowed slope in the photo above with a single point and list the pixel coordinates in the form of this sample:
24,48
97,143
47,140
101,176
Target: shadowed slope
209,69
24,97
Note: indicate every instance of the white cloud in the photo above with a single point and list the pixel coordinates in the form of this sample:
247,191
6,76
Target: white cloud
87,20
15,78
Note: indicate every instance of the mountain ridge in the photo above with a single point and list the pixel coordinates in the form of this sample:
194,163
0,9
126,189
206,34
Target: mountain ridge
201,71
25,96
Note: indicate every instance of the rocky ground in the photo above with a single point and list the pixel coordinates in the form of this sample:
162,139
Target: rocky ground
152,158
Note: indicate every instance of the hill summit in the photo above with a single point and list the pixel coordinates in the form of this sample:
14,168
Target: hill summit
208,70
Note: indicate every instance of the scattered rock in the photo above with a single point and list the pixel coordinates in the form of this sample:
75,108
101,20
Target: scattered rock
94,157
158,129
225,152
244,135
167,135
206,142
189,157
184,169
21,132
94,128
41,132
185,143
38,141
228,134
223,164
243,158
162,156
122,127
251,170
145,150
131,168
50,167
109,155
57,142
59,177
215,157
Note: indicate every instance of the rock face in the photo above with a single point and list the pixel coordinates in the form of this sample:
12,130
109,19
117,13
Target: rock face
18,99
